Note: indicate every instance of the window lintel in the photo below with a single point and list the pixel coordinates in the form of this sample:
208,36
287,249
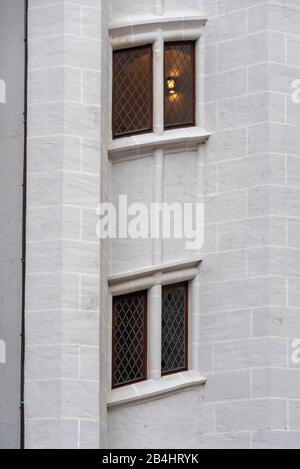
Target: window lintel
138,30
163,274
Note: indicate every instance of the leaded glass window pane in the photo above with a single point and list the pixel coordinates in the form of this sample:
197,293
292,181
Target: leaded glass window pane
129,339
179,84
132,91
174,328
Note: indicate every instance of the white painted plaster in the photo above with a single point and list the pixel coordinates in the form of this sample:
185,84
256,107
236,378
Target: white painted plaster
2,352
2,91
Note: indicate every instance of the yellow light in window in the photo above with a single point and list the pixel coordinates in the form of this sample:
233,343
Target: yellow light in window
171,84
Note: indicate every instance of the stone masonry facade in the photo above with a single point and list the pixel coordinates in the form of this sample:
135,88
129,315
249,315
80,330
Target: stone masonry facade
250,301
249,309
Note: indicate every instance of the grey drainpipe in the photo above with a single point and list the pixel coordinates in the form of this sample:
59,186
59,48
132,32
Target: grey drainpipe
22,413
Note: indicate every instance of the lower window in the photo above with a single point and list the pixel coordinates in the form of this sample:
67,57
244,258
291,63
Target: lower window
174,337
129,335
129,347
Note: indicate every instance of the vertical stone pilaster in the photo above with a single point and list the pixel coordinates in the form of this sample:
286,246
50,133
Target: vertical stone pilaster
65,146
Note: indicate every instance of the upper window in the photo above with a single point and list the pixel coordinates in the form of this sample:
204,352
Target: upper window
174,334
132,91
129,347
179,84
133,88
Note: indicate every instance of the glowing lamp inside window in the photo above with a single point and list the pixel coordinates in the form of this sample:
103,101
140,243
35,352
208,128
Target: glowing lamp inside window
171,85
179,75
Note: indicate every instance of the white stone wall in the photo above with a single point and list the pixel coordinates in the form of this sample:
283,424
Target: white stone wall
65,146
280,258
249,300
249,296
236,40
133,179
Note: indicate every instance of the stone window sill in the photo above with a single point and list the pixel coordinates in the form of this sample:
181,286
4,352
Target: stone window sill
151,389
139,144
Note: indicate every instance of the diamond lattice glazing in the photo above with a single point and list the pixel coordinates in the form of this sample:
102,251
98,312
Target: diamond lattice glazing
180,99
129,339
174,324
132,91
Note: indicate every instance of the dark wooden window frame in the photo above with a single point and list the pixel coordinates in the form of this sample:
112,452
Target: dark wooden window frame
193,123
145,343
114,98
186,326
